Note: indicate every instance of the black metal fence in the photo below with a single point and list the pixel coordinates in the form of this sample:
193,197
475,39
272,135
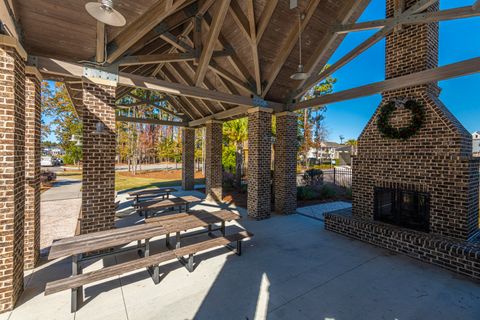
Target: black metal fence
340,176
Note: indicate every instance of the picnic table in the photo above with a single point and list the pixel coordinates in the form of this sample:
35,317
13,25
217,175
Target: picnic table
149,193
156,205
79,245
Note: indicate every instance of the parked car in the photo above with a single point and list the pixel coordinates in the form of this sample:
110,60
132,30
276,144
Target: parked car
58,162
47,161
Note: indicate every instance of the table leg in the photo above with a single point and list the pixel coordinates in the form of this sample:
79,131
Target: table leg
77,293
222,228
209,229
147,247
167,240
177,240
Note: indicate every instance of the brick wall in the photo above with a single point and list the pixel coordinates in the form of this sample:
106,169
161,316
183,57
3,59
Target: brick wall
461,257
285,164
98,183
188,158
259,162
32,170
12,175
213,160
436,160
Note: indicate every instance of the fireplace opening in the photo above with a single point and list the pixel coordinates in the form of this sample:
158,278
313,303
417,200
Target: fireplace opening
404,208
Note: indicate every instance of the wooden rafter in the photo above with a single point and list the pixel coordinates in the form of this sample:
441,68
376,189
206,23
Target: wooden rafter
206,83
265,18
432,75
420,18
137,29
176,42
254,45
151,121
215,67
290,43
212,37
100,49
240,19
182,77
165,57
417,7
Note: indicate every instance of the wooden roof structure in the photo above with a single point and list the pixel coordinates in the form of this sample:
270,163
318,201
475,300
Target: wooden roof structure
213,59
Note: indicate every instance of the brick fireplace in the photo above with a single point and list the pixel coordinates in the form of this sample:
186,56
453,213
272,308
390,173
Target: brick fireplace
417,196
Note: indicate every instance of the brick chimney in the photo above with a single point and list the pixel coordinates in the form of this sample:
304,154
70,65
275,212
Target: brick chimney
437,160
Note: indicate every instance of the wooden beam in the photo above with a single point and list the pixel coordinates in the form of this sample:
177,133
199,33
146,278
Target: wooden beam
253,44
204,7
420,18
476,5
197,38
215,67
221,115
151,121
265,18
329,40
141,26
175,42
156,58
289,44
181,76
49,67
417,7
100,49
206,83
453,70
212,38
240,19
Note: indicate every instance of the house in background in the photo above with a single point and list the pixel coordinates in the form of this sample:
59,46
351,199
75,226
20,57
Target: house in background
476,143
329,151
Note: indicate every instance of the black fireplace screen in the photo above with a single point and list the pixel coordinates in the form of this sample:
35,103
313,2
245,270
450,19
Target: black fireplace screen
405,208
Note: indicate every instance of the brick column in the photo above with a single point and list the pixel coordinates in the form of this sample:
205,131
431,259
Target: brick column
213,160
259,160
188,158
98,184
32,168
12,173
285,164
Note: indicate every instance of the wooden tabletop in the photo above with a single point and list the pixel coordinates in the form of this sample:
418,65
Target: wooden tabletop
166,203
152,191
104,239
121,236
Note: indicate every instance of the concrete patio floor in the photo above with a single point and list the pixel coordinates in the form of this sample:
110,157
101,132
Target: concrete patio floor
291,269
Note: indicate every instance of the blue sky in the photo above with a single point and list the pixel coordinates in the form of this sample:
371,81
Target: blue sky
459,40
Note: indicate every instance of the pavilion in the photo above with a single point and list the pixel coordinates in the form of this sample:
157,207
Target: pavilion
214,61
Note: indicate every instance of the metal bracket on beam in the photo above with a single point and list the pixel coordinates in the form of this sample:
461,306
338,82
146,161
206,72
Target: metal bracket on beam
107,75
259,101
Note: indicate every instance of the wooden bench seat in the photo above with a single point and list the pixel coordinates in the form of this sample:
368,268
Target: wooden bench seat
77,282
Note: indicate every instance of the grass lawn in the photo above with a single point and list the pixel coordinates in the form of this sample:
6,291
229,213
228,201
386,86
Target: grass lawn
149,179
71,174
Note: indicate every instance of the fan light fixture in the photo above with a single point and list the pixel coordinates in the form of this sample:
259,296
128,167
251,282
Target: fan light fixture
104,12
300,74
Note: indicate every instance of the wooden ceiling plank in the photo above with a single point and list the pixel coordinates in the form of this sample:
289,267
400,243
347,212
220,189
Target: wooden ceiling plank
290,43
253,43
141,26
212,38
417,7
265,18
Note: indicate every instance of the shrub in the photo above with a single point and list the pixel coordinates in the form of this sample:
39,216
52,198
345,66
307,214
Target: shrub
327,193
306,193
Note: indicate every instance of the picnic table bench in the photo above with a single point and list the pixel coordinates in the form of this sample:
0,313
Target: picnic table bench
156,205
81,244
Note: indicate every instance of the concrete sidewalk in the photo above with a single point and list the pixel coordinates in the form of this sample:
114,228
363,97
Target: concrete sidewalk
59,210
291,269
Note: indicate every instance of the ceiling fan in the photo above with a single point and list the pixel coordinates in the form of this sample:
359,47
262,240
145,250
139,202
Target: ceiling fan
104,12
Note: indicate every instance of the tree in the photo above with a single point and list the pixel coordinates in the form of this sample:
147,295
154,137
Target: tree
341,137
64,121
235,133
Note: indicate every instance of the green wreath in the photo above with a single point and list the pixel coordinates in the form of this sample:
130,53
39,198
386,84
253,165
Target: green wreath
383,122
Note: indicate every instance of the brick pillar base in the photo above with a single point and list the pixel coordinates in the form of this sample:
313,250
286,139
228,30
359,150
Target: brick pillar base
98,184
259,158
285,165
188,158
32,170
213,160
12,175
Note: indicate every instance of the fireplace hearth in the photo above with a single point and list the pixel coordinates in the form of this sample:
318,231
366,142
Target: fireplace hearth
403,208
